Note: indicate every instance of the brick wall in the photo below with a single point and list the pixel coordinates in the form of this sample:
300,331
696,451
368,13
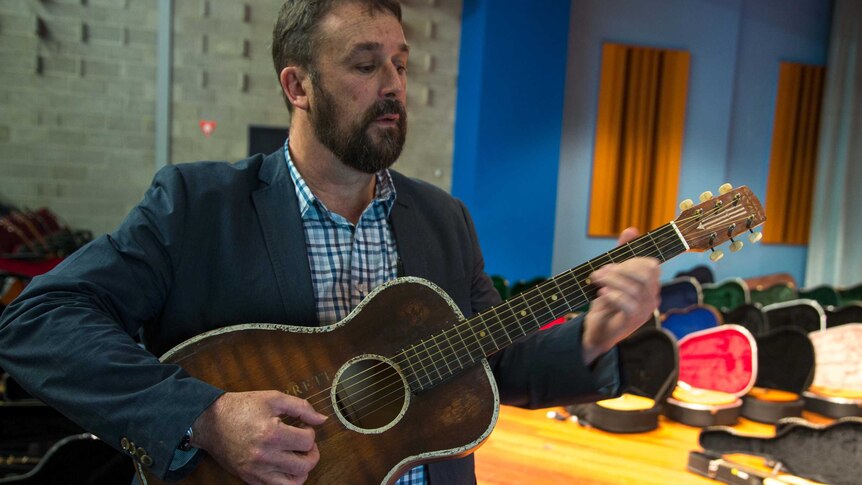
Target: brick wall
77,95
77,106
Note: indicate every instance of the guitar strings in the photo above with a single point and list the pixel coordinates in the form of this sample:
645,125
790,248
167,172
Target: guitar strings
440,352
397,388
432,356
666,241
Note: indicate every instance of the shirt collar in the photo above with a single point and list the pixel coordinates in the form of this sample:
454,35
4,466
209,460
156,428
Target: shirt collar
384,189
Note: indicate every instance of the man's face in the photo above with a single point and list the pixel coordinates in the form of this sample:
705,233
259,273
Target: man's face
357,104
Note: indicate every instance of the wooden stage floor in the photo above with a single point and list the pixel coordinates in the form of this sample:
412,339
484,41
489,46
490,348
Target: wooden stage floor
527,447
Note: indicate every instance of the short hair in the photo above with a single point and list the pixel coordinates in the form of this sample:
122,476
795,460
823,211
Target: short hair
295,35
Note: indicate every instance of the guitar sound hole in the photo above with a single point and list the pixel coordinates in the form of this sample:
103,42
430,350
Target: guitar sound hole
370,394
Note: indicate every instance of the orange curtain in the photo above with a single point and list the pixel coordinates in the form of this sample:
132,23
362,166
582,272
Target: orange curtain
789,191
639,132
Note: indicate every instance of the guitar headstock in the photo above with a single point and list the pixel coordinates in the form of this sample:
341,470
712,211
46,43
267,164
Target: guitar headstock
717,220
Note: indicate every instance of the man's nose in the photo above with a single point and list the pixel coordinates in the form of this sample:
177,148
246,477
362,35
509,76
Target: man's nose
394,83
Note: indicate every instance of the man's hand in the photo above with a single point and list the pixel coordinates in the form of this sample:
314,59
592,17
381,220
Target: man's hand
628,294
245,434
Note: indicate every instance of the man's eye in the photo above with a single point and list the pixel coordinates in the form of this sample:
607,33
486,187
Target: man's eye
365,68
402,69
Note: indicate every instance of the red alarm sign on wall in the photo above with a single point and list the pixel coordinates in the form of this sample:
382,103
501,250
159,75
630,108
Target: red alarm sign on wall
207,127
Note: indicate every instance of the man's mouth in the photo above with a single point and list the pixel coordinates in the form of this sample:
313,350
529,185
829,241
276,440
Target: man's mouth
388,118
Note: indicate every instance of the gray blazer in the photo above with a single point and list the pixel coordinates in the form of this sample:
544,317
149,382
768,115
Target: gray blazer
214,244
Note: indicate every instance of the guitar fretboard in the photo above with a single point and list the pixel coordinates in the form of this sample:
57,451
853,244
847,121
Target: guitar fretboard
444,354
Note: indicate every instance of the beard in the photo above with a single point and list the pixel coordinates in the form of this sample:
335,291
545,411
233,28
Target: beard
354,144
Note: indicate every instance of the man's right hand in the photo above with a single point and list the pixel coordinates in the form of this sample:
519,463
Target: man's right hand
244,433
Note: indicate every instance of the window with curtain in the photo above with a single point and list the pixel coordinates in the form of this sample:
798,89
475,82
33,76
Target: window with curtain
793,157
639,132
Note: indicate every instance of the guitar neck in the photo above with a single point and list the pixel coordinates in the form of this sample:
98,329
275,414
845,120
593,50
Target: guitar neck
467,342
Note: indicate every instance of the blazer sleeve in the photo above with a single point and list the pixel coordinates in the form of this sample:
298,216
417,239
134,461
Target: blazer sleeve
68,338
545,369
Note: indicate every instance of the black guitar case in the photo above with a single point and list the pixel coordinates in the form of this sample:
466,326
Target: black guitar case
649,361
785,362
807,315
750,316
849,313
830,453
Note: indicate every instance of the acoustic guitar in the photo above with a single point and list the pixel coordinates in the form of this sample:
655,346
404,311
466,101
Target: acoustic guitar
404,378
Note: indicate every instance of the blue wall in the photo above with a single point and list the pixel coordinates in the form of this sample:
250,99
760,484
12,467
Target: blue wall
508,127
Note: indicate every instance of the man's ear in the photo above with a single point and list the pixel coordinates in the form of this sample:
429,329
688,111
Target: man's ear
292,79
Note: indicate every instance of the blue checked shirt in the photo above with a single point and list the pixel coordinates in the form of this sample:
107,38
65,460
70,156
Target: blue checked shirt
348,261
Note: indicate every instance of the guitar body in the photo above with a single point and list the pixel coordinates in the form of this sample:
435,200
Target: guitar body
358,444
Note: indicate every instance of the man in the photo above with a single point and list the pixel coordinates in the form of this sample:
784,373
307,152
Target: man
299,236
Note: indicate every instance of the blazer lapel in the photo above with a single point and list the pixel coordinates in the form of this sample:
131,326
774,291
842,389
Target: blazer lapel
278,212
409,233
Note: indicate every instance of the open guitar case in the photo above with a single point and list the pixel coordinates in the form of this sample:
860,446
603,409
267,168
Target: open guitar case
649,362
837,388
825,453
785,369
717,367
832,360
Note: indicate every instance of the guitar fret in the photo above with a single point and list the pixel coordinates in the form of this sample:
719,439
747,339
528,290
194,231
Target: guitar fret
403,362
427,356
441,355
550,310
515,326
500,323
576,292
413,366
472,358
661,256
517,318
476,335
489,332
454,351
577,280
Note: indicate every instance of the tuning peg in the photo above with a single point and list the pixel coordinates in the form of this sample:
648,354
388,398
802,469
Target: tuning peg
716,255
725,188
755,236
686,204
705,196
735,246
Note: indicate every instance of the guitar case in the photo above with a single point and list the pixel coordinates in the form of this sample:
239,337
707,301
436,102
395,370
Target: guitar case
807,315
715,466
785,369
825,453
727,294
825,295
850,294
680,293
716,367
777,293
750,316
849,313
837,388
649,362
692,319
